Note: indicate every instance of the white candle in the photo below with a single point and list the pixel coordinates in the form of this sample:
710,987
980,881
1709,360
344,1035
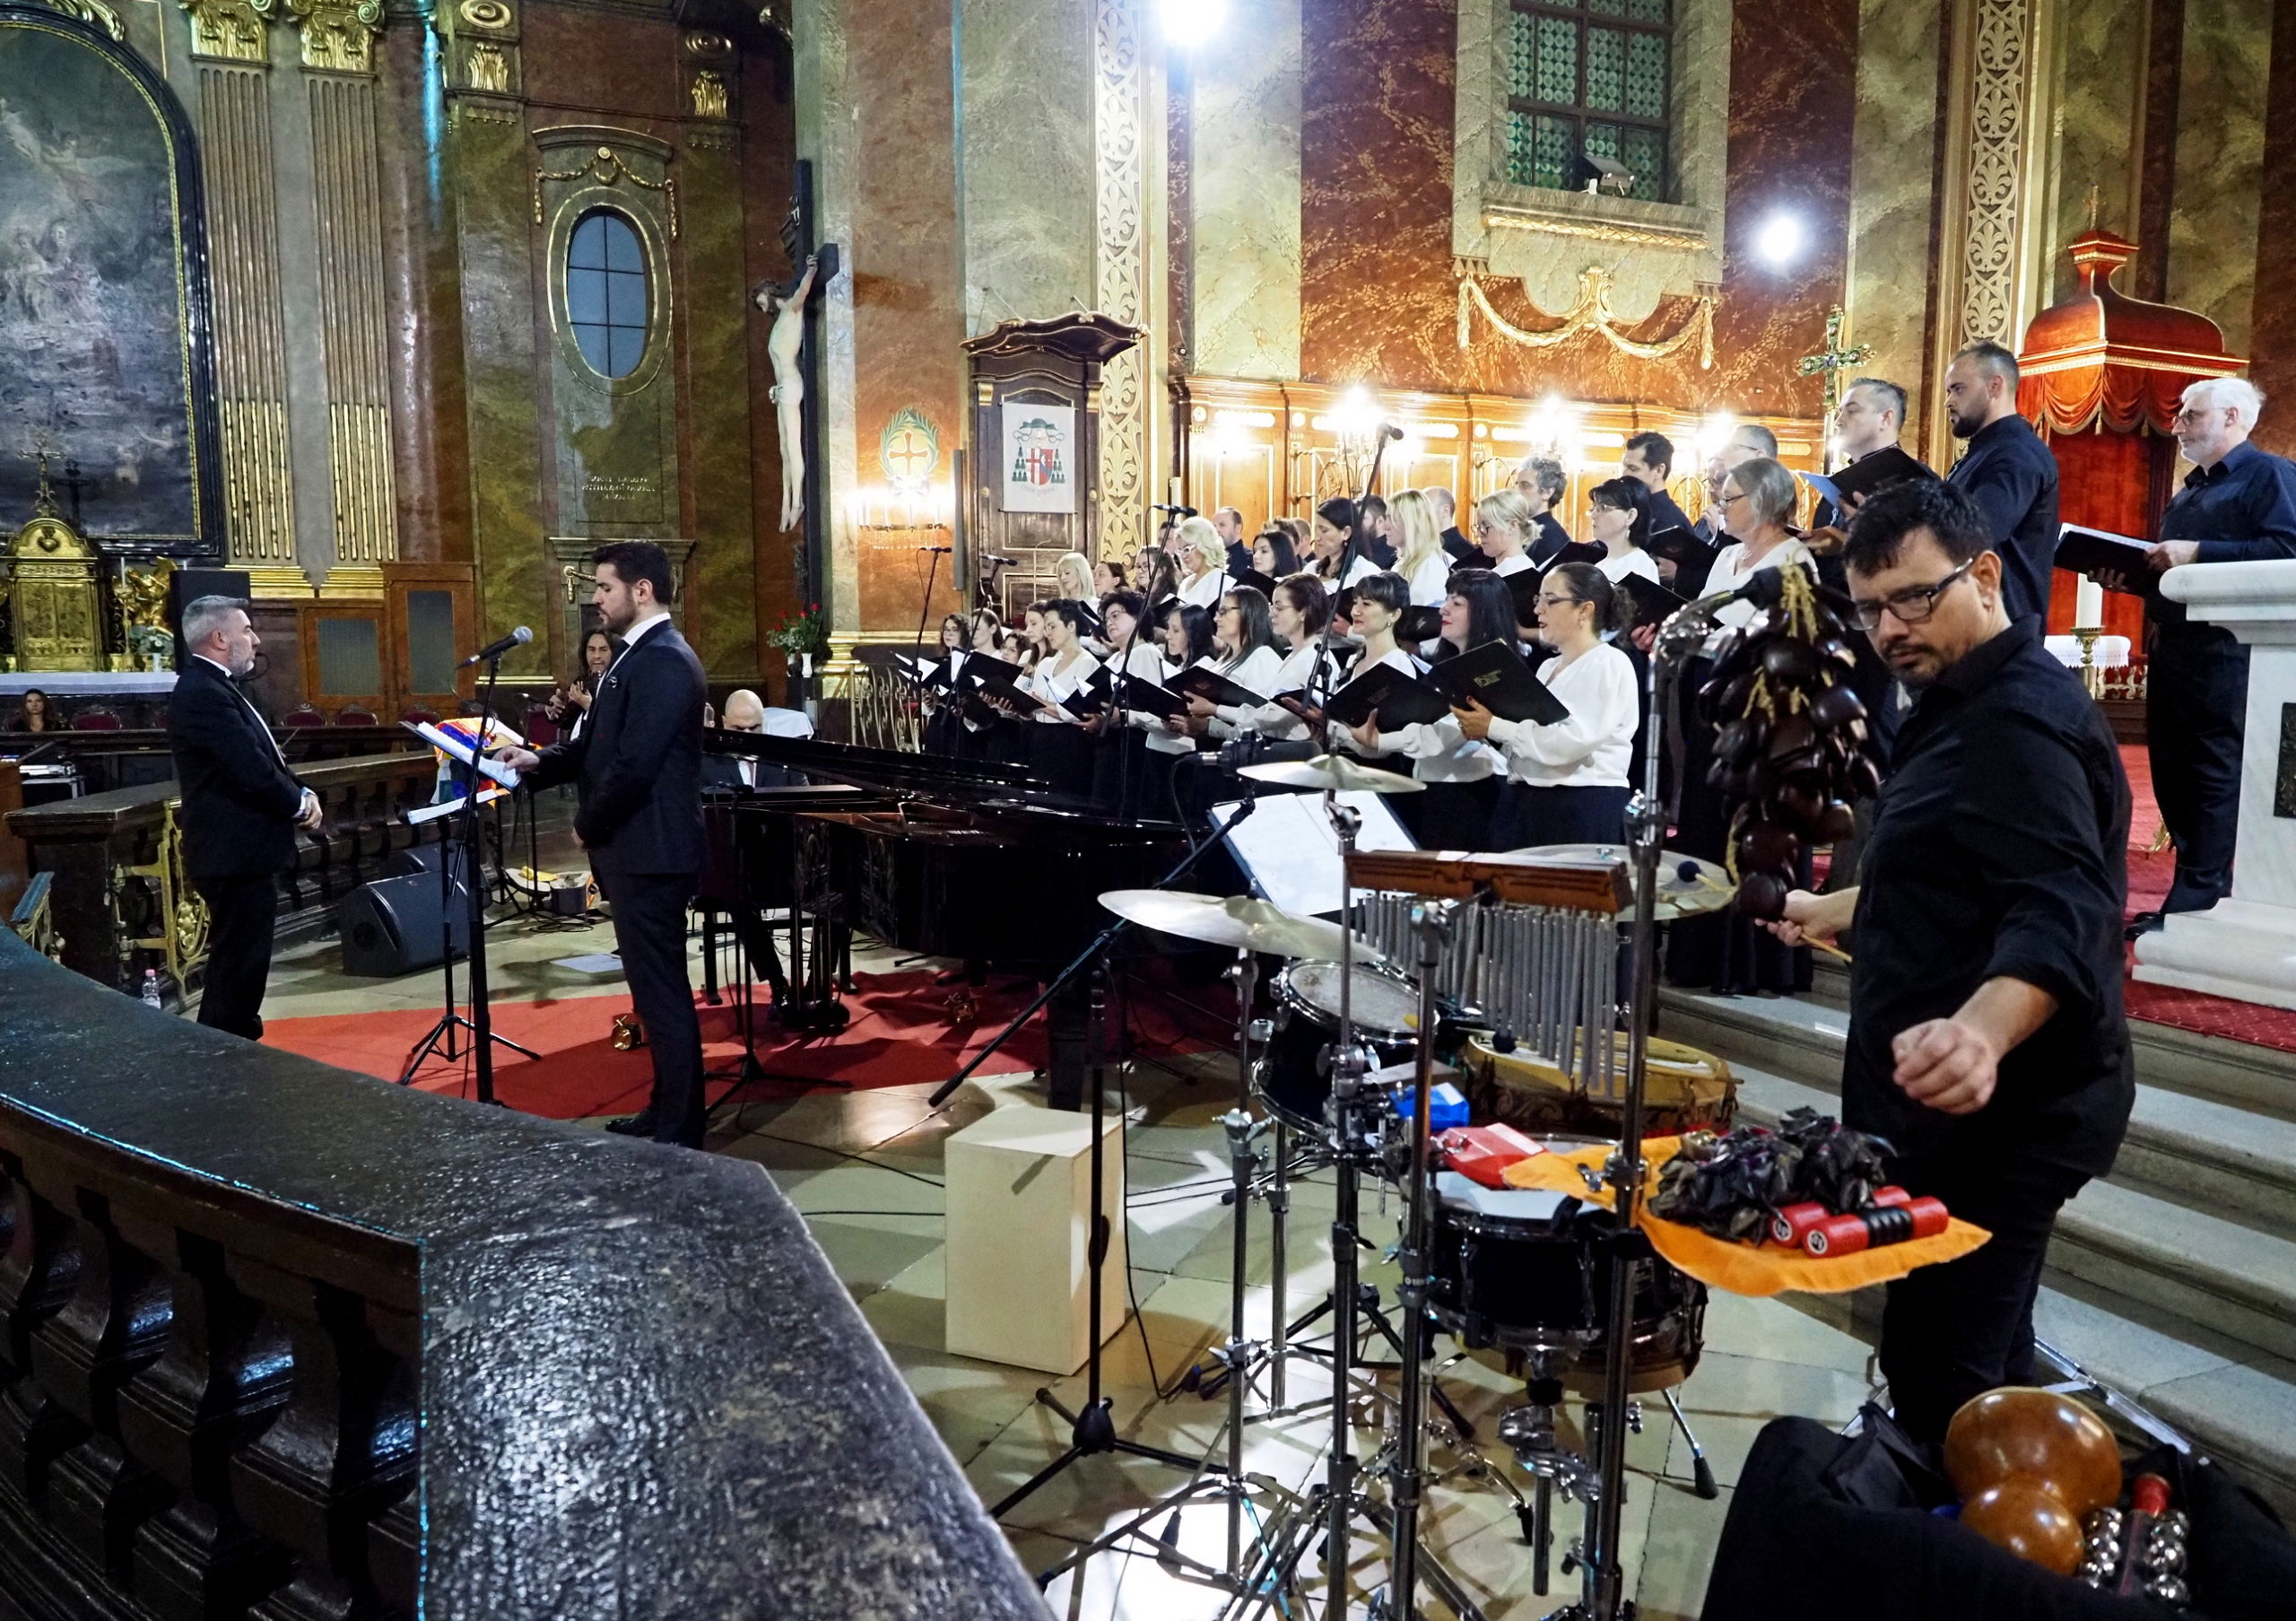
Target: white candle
2088,606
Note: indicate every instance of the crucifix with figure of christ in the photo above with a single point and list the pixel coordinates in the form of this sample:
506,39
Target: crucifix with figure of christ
1835,361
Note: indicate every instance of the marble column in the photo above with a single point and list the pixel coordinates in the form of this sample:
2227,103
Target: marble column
1024,159
1244,194
491,166
2220,161
338,64
2245,945
828,135
1893,192
231,43
2096,139
720,581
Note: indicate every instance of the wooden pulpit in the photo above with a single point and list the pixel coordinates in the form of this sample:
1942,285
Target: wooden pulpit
2100,377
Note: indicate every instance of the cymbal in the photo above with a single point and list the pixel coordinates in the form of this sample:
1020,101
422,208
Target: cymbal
1688,885
1242,922
1333,771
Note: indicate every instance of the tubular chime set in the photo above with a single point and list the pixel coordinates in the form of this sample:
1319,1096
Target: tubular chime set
1546,974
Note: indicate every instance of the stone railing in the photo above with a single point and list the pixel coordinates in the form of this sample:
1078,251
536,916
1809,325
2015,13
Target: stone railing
120,898
283,1341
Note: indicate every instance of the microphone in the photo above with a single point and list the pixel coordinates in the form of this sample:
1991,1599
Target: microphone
1009,563
943,550
498,647
1175,511
1390,430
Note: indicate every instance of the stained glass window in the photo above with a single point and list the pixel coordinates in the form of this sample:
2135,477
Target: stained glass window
606,294
1589,77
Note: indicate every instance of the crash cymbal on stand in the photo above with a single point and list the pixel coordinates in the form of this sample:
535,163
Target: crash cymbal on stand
1333,771
1240,922
1688,885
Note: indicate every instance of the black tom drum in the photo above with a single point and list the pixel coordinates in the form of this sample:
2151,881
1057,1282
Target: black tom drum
1295,1083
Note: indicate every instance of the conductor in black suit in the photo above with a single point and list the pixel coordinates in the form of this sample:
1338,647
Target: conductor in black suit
241,806
639,762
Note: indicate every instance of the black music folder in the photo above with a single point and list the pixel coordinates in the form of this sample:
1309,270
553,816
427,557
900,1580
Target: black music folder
1577,551
1878,471
1265,584
1399,699
1652,601
1201,680
2092,551
1146,698
1683,548
1502,680
1526,588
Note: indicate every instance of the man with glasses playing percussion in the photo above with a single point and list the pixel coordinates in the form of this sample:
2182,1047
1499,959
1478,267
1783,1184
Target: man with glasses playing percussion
1986,1039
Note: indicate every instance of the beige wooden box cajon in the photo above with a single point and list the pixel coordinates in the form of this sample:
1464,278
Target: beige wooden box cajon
1020,1185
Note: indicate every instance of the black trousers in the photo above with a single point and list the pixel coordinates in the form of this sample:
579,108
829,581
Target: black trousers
241,915
1450,816
2196,714
1529,816
649,931
1955,1330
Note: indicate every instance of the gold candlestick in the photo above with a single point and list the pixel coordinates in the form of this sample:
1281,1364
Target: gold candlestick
2092,677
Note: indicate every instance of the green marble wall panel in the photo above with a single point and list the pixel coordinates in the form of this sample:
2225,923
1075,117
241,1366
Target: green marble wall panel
492,176
1025,158
826,134
1892,188
1244,138
721,584
2220,161
2095,140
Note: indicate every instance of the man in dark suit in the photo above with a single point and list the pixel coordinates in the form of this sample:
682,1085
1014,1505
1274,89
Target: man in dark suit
639,762
2008,469
1456,546
241,806
1648,459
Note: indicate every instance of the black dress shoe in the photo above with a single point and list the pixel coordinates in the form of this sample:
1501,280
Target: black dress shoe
2144,923
641,1124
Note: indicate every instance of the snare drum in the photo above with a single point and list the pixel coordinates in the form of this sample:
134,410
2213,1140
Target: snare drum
1525,1273
1383,1006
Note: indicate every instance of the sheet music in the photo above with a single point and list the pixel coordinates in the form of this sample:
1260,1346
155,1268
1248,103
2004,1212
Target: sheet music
456,749
1290,853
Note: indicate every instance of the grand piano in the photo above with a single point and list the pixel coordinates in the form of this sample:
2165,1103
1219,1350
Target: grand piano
974,861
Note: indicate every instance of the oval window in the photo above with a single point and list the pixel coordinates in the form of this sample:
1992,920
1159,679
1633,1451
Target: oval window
606,294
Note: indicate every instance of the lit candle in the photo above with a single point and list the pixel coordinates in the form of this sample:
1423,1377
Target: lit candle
2088,606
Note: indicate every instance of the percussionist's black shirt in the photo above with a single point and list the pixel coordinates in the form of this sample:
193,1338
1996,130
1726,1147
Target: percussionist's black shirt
1999,849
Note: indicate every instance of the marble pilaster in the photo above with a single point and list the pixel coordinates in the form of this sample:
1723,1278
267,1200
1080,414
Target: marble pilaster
2096,137
1244,185
827,136
2220,161
721,586
1025,158
1128,152
1892,190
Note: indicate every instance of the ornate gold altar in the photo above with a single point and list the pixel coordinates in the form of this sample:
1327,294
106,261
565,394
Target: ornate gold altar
55,587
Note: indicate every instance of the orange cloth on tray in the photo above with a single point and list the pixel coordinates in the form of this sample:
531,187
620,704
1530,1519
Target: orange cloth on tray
1759,1269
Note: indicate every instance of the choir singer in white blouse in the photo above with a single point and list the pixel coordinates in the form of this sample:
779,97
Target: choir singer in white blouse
1566,783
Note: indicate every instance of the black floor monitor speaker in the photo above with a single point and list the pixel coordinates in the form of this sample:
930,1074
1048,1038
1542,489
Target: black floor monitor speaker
391,926
425,859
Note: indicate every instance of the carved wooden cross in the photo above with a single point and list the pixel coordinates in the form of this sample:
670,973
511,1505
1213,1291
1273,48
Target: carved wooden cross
1835,361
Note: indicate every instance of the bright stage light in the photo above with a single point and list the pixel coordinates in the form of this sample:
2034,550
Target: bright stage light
1779,241
1188,23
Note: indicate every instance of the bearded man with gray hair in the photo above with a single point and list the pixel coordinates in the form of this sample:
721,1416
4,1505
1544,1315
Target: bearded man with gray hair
2238,505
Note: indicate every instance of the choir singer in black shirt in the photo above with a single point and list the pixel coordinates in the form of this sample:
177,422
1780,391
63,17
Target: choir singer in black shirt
1987,1038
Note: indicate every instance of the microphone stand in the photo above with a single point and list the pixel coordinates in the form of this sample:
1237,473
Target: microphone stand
925,606
1322,673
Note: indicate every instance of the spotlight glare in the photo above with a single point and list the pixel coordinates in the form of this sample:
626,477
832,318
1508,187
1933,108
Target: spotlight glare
1779,241
1188,23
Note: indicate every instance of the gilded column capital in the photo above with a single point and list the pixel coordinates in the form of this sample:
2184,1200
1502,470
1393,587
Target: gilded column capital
338,35
232,31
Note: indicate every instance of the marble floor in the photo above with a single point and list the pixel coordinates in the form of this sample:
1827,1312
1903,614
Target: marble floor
866,1167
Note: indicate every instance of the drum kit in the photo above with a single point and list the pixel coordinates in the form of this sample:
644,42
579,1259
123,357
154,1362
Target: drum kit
1511,960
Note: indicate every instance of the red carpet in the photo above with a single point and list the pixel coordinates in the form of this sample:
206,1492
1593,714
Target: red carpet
900,1034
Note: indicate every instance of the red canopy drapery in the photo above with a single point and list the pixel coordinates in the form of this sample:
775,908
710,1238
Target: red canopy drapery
2100,377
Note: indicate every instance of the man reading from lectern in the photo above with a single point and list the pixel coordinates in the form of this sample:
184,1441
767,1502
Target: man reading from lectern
1986,1039
241,807
639,760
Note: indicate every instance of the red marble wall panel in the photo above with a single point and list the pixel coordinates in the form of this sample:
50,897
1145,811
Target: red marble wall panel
2272,338
907,286
588,67
1380,303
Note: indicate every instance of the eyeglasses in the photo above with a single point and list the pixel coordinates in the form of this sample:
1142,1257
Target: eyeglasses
1546,601
1912,606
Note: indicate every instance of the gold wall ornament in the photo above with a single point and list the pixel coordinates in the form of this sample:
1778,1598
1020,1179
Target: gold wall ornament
231,30
710,97
94,12
54,591
180,915
487,69
701,42
1591,312
1596,230
491,16
1124,274
338,35
141,601
607,168
1996,163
